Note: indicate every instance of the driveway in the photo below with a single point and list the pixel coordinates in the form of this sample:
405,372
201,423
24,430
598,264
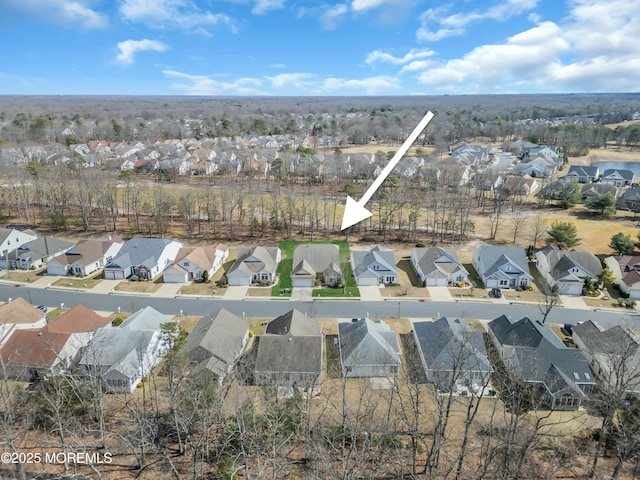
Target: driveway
440,294
301,294
569,301
236,293
370,293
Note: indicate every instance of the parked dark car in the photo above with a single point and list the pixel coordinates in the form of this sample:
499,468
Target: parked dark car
495,293
42,308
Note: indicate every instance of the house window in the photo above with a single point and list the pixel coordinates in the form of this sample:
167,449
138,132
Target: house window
185,263
504,283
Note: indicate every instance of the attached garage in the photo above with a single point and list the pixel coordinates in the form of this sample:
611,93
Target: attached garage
302,282
437,281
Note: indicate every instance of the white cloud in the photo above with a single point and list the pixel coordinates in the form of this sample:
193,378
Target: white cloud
67,12
277,65
597,48
413,54
367,86
263,6
359,5
302,81
129,48
417,66
202,85
527,55
454,25
433,16
182,14
332,16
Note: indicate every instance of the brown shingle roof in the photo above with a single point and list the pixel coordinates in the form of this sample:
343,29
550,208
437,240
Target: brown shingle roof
30,348
77,319
19,311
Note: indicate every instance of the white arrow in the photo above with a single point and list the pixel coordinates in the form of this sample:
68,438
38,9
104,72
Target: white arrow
355,211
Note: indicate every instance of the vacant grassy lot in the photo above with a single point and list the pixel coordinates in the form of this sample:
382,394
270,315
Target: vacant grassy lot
259,292
138,287
204,289
76,282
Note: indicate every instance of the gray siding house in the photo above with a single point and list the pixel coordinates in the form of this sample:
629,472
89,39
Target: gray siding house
437,267
452,355
290,352
368,349
559,377
316,263
502,267
375,267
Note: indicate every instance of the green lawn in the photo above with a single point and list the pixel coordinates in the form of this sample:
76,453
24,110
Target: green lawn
350,292
286,264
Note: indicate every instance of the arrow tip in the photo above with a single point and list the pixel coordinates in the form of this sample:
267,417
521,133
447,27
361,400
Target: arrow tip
353,213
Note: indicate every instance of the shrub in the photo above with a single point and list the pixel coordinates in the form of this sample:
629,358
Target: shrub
117,321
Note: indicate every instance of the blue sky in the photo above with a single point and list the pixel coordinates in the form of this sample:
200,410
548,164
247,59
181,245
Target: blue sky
318,47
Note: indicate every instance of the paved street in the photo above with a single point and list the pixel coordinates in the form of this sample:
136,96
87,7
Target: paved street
320,308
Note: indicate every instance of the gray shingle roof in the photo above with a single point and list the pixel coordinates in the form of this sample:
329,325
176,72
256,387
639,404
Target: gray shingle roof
367,343
450,345
40,248
437,258
491,258
363,260
254,259
313,258
540,355
139,251
216,340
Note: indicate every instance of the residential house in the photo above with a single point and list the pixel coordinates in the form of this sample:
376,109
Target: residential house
558,189
590,191
192,262
578,173
567,269
289,353
374,267
559,376
630,200
254,265
626,271
437,267
521,185
540,167
502,267
86,257
215,343
614,354
486,180
18,314
174,166
617,177
11,239
144,257
37,352
452,355
368,349
316,263
120,357
34,254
